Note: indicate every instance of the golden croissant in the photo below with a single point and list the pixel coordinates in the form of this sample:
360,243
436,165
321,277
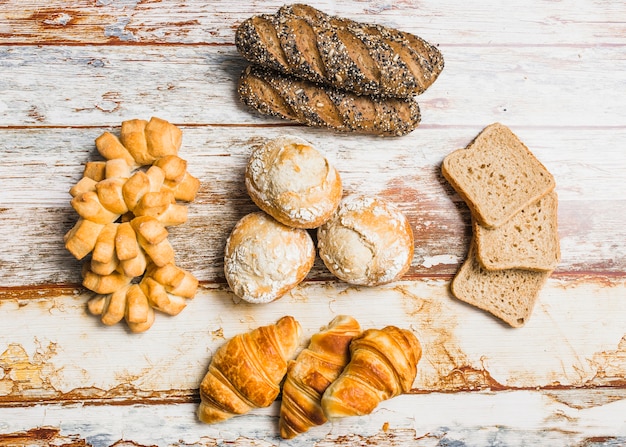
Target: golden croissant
383,364
315,368
247,371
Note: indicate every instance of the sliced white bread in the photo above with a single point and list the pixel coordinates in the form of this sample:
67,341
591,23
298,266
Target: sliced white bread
509,295
529,240
496,175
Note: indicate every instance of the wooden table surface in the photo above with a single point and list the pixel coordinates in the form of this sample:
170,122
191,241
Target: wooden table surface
553,71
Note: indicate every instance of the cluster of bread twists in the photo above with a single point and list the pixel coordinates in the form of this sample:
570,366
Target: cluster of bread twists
342,372
125,204
328,71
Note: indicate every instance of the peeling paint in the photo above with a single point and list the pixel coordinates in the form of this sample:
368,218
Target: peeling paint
25,377
42,436
118,31
385,437
61,19
611,366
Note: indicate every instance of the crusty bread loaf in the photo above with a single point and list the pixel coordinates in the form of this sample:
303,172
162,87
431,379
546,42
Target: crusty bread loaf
496,175
509,294
529,240
294,183
366,59
367,242
305,102
264,259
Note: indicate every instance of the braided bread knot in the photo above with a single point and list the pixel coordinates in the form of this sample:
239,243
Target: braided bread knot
125,204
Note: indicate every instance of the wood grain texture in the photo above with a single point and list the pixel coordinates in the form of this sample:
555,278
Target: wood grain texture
194,21
102,85
552,71
407,174
511,418
72,357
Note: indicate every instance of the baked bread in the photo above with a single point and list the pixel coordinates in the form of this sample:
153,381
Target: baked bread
383,364
529,240
246,372
264,259
124,204
315,368
302,101
509,294
496,175
294,183
304,42
367,242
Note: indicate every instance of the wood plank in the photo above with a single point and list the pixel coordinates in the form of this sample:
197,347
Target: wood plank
72,357
193,21
508,418
100,86
591,204
553,71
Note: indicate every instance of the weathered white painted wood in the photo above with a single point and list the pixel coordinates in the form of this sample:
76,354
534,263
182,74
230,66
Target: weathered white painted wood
516,418
553,71
535,22
102,85
50,348
41,165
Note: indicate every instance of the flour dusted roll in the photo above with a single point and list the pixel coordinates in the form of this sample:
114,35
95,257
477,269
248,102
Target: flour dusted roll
367,242
264,259
294,183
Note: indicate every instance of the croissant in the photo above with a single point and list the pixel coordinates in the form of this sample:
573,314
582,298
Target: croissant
247,371
315,368
383,365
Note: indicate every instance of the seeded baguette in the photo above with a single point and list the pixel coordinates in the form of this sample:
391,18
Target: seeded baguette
304,102
367,59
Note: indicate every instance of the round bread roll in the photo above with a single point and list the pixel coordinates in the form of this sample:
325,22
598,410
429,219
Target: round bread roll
264,259
294,183
367,242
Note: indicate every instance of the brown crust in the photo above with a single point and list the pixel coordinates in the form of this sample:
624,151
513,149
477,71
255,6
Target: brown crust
273,94
367,59
294,183
367,242
264,259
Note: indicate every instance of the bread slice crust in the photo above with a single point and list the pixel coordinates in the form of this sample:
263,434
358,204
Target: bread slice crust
529,240
497,175
509,294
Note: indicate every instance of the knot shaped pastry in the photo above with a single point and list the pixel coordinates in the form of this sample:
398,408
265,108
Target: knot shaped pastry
124,204
246,372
